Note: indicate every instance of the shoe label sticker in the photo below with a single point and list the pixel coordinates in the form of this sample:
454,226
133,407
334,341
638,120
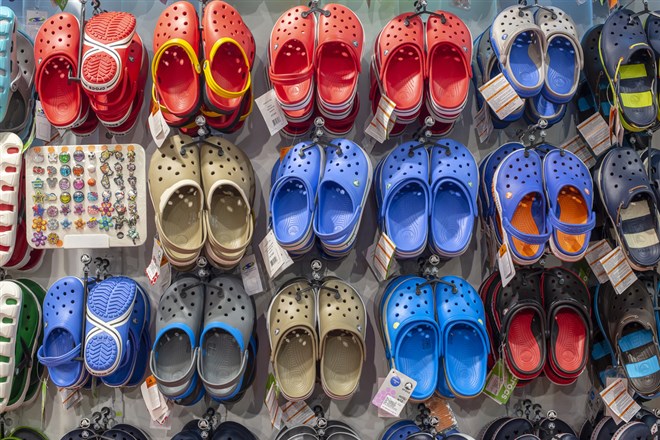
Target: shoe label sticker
159,271
500,383
34,18
618,270
251,275
298,413
158,127
394,393
381,412
578,147
70,398
596,134
617,398
500,96
505,263
383,121
274,410
380,257
271,111
483,124
275,259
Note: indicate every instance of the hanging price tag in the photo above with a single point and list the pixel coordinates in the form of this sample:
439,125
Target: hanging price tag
500,96
505,263
383,121
251,275
578,147
617,398
595,252
483,124
394,393
500,383
618,270
596,133
271,111
380,257
276,259
158,127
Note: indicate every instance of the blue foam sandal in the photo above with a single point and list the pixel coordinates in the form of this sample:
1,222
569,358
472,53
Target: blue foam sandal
342,194
402,195
293,196
454,188
139,320
487,172
109,308
63,312
520,46
410,332
400,430
631,206
569,191
564,60
631,68
521,205
464,338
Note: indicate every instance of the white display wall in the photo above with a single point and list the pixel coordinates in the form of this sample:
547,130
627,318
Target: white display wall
260,15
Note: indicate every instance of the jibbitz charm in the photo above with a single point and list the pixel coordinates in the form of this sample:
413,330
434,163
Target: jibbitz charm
131,155
65,209
65,184
52,181
105,223
65,157
38,183
131,167
132,181
120,208
80,223
119,195
106,195
92,223
92,196
38,197
91,156
93,210
39,239
65,170
106,170
38,158
78,170
132,195
78,197
133,234
53,238
65,197
91,168
38,170
51,170
51,197
38,210
52,157
120,235
119,156
105,156
78,209
91,182
119,167
66,224
52,211
39,224
106,208
78,184
119,181
78,156
53,224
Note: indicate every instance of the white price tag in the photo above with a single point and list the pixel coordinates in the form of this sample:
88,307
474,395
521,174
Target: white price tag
274,410
159,271
596,133
578,147
618,270
298,413
251,275
594,253
271,111
275,258
380,257
158,406
500,96
381,412
617,398
505,263
158,127
383,121
34,18
483,124
394,393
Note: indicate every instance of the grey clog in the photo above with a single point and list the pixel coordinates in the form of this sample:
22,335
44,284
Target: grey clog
178,321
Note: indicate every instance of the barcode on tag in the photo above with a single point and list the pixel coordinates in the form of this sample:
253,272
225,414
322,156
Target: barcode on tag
271,111
275,258
483,124
383,121
391,405
595,252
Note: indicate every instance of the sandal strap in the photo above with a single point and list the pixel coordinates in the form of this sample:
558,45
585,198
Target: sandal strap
210,80
55,361
572,228
537,239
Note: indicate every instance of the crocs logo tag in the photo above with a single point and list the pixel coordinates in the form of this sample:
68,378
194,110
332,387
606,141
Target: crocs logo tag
470,184
385,52
480,321
586,191
465,49
356,183
505,36
395,325
359,328
509,195
356,44
276,46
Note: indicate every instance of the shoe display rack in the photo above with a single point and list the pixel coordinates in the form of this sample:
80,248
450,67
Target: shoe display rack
156,153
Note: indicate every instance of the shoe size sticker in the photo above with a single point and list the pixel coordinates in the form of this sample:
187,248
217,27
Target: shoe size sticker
618,270
43,129
394,393
593,256
618,399
483,124
596,134
383,121
578,147
271,111
500,383
500,96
